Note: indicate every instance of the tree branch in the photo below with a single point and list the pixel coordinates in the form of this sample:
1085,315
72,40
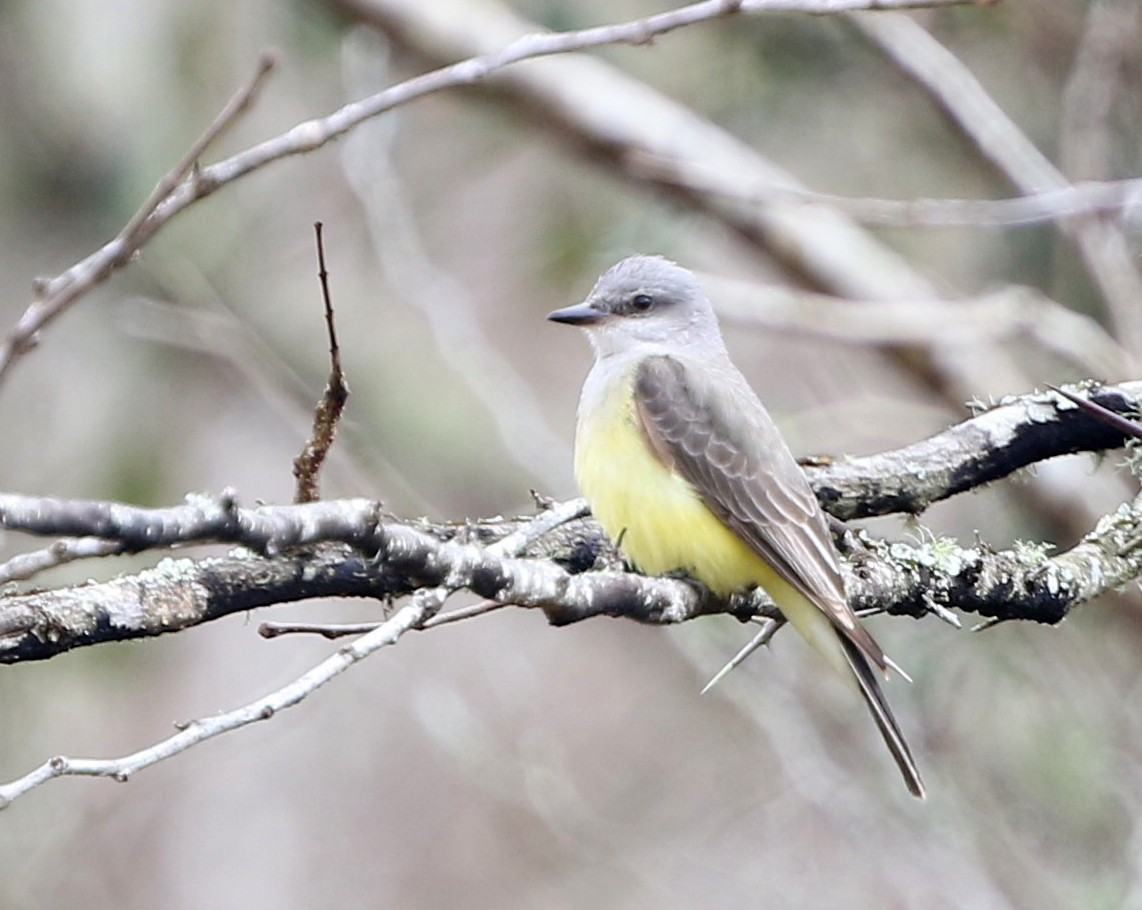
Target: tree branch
1016,432
327,414
173,194
53,297
349,548
196,731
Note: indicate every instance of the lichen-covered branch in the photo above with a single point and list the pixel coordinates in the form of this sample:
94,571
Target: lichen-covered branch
1022,583
1012,434
560,561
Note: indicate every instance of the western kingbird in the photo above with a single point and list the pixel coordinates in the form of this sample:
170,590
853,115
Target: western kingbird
684,467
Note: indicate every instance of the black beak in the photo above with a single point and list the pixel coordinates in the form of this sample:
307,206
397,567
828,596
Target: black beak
582,314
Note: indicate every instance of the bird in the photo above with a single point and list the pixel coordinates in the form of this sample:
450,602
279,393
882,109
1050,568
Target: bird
684,468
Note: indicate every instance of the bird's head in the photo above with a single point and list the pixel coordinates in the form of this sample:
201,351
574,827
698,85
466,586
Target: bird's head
645,302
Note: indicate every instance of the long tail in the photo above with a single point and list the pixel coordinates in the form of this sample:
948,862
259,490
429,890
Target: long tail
882,714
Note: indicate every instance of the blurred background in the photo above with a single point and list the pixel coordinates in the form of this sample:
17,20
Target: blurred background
501,763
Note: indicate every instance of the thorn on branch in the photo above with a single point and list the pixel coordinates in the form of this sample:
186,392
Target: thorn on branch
1128,427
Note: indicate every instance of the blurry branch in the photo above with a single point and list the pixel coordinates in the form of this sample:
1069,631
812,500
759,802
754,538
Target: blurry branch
1090,197
349,548
1007,314
450,309
995,316
594,108
971,109
52,297
1107,50
174,193
308,464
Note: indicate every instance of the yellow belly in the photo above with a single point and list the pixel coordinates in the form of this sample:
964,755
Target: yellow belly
658,516
663,525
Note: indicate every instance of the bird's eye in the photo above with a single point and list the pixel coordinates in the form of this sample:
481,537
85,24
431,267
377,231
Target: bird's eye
641,302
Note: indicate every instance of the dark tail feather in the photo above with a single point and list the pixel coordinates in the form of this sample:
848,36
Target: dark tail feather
882,714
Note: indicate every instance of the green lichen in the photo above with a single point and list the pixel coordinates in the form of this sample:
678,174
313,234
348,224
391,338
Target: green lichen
1031,553
1132,460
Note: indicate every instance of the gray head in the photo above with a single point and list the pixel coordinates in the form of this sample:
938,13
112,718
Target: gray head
646,302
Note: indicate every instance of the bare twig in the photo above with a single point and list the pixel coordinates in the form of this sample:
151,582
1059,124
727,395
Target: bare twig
308,464
217,332
1090,197
462,613
769,626
345,630
325,630
54,296
1010,313
25,565
202,729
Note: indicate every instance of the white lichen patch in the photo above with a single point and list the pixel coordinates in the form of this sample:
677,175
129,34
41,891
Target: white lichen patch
1030,553
942,554
1043,411
1132,460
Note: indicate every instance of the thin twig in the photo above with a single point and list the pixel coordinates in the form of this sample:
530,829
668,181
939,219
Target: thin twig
461,613
347,629
332,630
1091,197
307,465
202,729
1127,427
769,627
238,104
53,297
26,565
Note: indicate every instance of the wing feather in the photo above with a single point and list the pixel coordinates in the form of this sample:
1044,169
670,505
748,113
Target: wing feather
708,425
